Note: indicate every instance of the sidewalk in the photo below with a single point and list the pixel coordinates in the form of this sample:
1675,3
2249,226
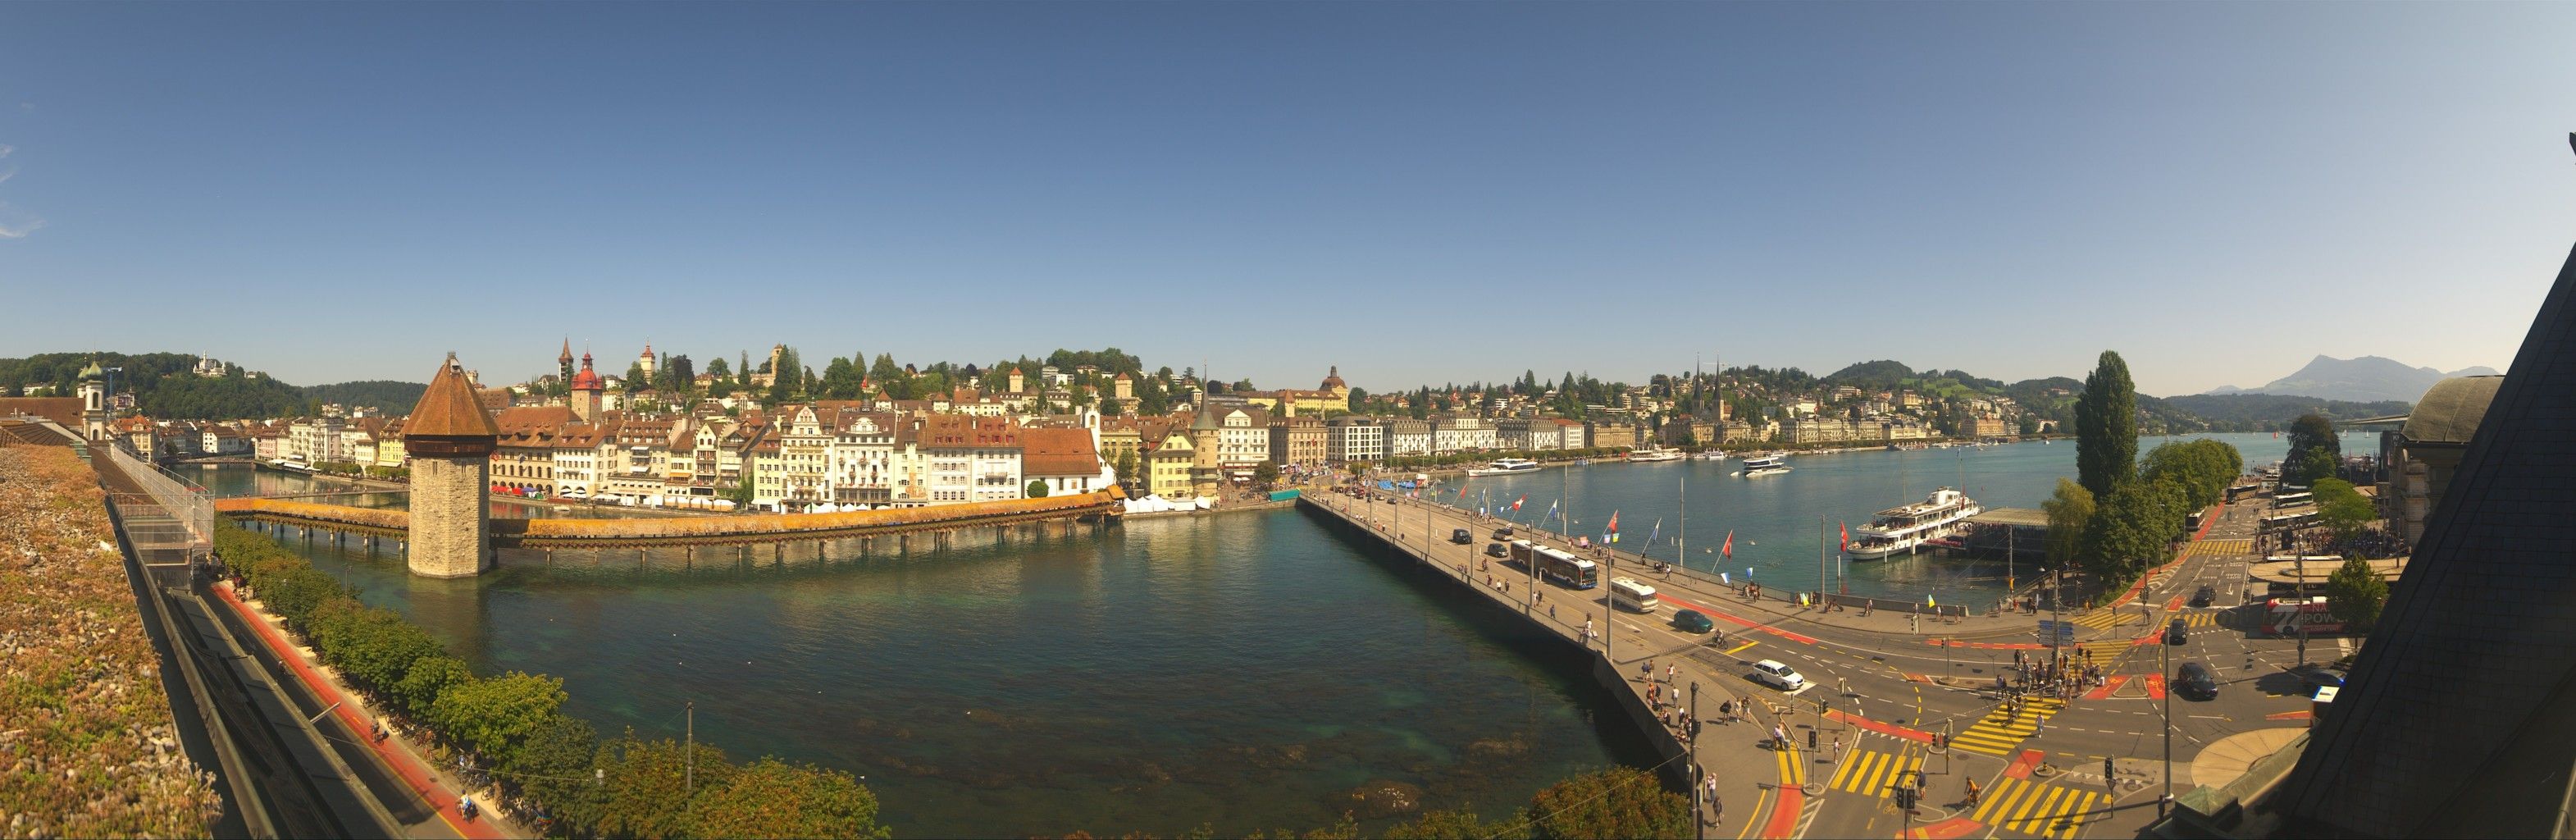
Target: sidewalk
438,789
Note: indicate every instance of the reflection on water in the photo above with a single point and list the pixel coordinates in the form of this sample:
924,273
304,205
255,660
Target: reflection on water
1781,521
231,480
1237,671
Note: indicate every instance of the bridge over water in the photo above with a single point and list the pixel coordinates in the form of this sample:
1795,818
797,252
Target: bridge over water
692,531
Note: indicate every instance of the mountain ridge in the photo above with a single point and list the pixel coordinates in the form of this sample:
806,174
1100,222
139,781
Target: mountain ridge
2359,379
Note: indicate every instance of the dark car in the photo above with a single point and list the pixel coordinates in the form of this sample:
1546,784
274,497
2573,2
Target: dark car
1496,550
2176,630
2195,682
1690,621
2318,677
1502,533
1460,536
2205,595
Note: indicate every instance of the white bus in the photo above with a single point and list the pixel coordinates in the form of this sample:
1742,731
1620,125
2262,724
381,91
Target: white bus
1628,594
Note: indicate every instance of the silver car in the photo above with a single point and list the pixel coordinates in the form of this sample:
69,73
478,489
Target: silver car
1771,672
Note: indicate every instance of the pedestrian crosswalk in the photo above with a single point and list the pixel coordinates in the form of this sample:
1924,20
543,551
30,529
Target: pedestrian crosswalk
2038,809
1875,773
2001,731
2205,548
2199,619
2107,619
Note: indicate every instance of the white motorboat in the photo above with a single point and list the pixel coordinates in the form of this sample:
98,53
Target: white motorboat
1654,455
1755,465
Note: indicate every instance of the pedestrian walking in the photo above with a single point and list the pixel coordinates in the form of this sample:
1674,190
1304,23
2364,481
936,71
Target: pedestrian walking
1709,781
1779,737
1647,674
1726,710
1670,670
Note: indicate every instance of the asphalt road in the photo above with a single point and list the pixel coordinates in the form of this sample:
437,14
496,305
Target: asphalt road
2041,770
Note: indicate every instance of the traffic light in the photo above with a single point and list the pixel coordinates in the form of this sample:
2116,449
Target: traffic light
1904,798
2108,770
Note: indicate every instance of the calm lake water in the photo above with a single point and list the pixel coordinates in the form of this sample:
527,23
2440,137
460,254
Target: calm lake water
1239,671
1779,521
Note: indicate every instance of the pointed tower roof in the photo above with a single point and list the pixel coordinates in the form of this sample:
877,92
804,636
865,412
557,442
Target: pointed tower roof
566,358
449,408
92,372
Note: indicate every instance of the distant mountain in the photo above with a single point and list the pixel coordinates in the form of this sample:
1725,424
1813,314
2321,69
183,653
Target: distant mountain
2365,379
2250,412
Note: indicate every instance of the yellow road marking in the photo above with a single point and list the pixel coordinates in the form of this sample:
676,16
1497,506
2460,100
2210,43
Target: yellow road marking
1733,650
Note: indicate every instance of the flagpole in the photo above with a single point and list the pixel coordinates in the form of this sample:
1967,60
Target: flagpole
1681,542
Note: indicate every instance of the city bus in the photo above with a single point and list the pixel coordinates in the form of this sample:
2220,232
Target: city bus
1523,553
1628,594
2293,499
1567,570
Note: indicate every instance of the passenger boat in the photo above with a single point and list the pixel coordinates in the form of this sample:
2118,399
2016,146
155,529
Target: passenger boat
1653,455
1755,465
1507,466
1907,528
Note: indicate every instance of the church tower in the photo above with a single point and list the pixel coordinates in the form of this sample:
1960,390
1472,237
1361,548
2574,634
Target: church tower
586,387
646,361
564,362
450,441
93,394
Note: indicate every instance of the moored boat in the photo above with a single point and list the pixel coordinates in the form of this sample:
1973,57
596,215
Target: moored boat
1909,527
1506,466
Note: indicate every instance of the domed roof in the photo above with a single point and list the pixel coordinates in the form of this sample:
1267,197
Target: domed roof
587,379
92,372
1333,378
2451,410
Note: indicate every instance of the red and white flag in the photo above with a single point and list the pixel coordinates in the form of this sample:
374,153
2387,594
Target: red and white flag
1516,503
1846,536
1728,551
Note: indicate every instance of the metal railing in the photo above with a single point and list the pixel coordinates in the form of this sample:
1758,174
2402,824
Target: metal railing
172,521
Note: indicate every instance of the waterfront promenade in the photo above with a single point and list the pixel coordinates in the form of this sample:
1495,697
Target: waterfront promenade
1759,786
1893,696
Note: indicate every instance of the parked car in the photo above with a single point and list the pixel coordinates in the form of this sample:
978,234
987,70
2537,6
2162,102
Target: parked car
1460,536
2204,596
1772,673
2193,681
1496,550
1502,533
1690,621
2318,676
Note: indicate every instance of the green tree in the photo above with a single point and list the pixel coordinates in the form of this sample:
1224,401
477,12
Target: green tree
1126,468
769,798
2342,509
889,376
2355,593
644,792
2106,426
496,715
2070,513
1265,475
723,374
635,378
1037,489
841,379
554,766
2314,451
789,382
1618,802
378,648
420,686
1446,825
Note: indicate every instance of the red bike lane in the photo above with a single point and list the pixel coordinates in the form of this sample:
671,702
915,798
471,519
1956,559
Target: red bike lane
414,773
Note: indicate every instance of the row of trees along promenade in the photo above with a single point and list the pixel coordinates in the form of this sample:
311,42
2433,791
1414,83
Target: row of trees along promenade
511,727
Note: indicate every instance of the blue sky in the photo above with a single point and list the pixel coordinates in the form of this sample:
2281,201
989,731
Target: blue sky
1411,191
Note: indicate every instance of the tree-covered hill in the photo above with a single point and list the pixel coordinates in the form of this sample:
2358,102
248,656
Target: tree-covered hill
167,386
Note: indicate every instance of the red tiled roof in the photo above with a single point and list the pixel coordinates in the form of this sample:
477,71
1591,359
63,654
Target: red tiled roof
449,408
1058,452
